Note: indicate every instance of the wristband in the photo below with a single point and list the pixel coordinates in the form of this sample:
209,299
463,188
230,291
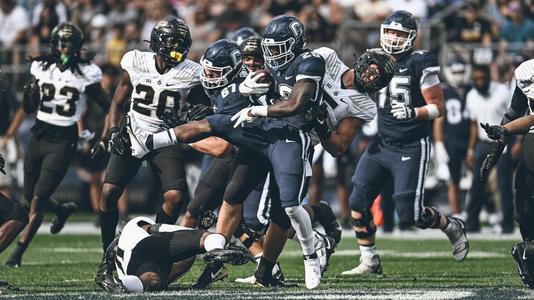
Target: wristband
259,111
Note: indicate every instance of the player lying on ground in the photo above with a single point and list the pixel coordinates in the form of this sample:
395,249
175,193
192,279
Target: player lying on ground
149,256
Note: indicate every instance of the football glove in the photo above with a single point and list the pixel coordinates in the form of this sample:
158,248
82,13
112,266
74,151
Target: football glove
491,160
100,149
495,132
196,112
402,112
250,85
320,124
119,142
2,164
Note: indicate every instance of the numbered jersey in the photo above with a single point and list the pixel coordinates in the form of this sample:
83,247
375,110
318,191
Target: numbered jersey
405,87
63,92
153,93
131,235
307,65
457,121
342,103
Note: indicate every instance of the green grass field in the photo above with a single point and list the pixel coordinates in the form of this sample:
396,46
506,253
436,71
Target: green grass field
63,267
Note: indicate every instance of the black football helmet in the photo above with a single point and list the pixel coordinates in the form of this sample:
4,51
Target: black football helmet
69,36
221,63
171,39
240,35
252,49
402,21
282,40
457,72
373,70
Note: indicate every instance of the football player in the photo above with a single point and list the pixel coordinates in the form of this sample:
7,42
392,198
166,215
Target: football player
159,82
149,256
515,122
61,81
13,217
451,132
406,109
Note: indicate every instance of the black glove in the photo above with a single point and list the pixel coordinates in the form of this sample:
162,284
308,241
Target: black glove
30,99
119,142
172,118
99,149
2,164
320,124
495,132
491,160
197,112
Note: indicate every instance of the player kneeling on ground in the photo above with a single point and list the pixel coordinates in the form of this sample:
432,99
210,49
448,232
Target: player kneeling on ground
149,256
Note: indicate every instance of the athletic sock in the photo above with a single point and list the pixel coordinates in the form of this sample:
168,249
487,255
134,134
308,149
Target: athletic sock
214,241
300,220
264,267
108,225
368,250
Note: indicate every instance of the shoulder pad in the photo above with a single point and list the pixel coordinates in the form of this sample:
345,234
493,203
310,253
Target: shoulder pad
135,60
311,66
188,71
92,72
524,75
34,68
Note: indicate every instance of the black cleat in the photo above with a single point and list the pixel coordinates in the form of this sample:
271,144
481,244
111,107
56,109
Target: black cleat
111,285
59,221
272,282
524,258
234,255
211,274
333,229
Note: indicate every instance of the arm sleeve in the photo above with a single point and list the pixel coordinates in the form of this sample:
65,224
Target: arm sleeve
518,106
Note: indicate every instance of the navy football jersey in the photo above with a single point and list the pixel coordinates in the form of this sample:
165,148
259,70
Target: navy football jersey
226,103
405,87
306,65
457,121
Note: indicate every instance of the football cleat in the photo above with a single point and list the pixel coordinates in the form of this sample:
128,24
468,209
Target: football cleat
324,248
210,274
111,285
59,221
234,255
273,280
458,238
523,256
368,265
312,271
334,229
276,274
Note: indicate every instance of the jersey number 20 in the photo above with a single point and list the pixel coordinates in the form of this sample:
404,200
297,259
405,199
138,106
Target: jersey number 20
149,99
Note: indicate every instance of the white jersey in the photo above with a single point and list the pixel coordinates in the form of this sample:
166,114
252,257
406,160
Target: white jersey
524,75
342,103
131,235
63,92
153,92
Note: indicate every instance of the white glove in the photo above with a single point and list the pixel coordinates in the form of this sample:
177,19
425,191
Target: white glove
401,111
250,86
442,172
441,153
248,114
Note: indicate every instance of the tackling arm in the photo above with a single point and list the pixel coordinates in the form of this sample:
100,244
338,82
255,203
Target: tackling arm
340,140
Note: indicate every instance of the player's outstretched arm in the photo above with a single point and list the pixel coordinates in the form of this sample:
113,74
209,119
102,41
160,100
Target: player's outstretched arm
340,140
187,133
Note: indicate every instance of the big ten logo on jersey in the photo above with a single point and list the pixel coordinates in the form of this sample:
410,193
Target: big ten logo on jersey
151,97
398,90
455,115
65,97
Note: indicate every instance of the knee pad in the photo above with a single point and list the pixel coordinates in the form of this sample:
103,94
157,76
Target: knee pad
279,217
251,235
363,226
523,254
429,218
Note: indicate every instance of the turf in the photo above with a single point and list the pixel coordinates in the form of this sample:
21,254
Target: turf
63,267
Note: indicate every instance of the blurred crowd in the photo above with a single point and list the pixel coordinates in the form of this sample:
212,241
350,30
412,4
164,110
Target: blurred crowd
496,33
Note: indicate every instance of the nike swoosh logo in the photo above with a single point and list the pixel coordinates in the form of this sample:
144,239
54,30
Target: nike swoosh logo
290,141
404,158
288,77
169,84
524,252
403,70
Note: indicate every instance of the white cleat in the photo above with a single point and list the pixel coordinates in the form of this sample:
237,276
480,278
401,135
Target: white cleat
247,280
312,272
368,265
458,238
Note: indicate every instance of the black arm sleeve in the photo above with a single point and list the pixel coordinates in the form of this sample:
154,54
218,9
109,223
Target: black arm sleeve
31,96
518,107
